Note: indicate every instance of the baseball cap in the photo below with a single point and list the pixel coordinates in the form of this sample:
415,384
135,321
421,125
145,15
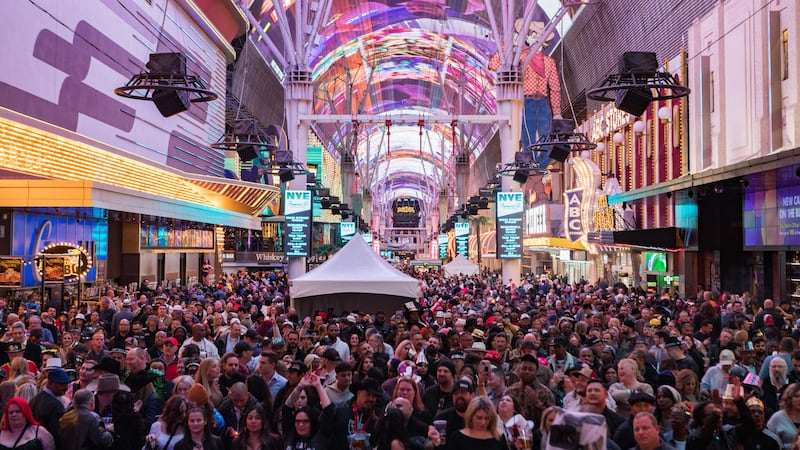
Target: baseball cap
726,357
638,397
171,341
463,385
297,366
58,375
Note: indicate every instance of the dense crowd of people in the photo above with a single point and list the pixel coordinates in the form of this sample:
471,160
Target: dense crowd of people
474,363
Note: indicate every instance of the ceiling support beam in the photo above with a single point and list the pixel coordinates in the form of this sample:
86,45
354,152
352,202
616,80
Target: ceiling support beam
404,119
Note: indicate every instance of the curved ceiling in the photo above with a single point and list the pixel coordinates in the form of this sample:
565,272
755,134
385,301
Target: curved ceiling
425,59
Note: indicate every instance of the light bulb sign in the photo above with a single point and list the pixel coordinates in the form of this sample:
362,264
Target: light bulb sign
347,230
510,211
297,210
442,246
462,238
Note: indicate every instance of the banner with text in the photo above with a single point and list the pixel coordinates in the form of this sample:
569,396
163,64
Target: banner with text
510,210
442,246
462,238
297,211
573,214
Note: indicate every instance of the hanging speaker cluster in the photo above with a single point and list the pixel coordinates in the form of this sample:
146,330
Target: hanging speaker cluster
167,84
562,141
638,83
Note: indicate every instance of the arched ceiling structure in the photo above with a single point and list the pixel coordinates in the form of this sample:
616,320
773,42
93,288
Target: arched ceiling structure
426,59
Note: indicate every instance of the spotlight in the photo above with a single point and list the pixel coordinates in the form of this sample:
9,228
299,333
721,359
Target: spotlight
719,189
523,158
472,210
521,176
669,194
559,152
285,174
690,194
745,182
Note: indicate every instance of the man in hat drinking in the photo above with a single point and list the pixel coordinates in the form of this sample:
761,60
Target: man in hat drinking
354,420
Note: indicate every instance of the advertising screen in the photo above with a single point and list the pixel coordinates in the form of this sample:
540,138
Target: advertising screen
462,238
298,223
510,210
655,261
771,217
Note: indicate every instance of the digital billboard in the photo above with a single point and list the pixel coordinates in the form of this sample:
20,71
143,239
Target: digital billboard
298,222
510,210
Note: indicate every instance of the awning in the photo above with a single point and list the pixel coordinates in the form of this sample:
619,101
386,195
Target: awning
552,242
59,168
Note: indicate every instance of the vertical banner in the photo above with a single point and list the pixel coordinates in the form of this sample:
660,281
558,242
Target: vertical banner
298,223
347,230
510,210
462,238
573,217
367,238
442,246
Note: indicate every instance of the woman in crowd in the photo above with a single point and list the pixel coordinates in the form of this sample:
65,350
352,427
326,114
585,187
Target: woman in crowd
66,344
508,413
208,375
256,434
181,385
364,364
197,435
128,425
687,385
666,398
169,429
609,374
627,371
480,430
542,433
308,394
408,389
785,421
304,433
27,390
18,429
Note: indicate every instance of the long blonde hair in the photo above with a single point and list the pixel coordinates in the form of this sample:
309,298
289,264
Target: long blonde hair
482,403
201,377
18,366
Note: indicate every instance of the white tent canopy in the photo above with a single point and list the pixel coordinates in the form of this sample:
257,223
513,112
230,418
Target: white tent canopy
355,268
460,265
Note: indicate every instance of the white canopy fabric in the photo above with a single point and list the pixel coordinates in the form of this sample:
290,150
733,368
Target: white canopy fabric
460,265
356,268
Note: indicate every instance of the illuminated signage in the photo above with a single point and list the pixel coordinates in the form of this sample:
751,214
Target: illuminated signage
442,246
405,210
297,211
76,261
347,230
367,238
573,221
536,222
510,211
604,216
462,238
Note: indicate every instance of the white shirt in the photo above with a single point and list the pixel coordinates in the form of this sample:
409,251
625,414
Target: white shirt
205,346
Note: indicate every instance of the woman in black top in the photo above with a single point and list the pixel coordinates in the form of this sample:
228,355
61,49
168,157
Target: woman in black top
480,430
197,436
304,433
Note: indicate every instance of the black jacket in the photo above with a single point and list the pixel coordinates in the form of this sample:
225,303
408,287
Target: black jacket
210,442
80,429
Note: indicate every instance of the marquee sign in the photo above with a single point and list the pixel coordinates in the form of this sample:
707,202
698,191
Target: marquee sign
573,214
